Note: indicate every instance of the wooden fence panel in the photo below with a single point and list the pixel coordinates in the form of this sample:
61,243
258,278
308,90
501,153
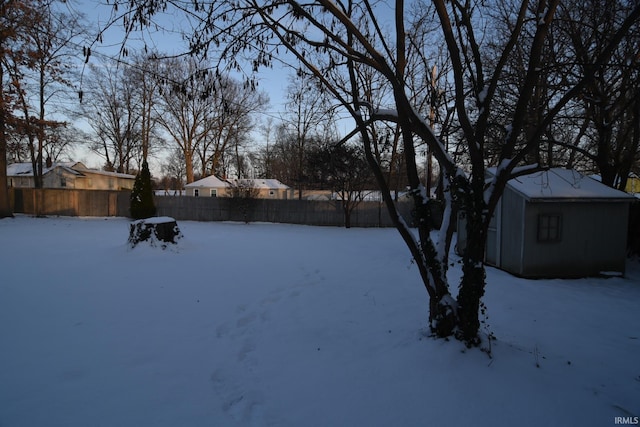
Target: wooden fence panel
116,203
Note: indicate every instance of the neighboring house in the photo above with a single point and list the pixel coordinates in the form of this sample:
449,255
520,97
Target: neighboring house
71,175
266,188
633,184
212,186
557,223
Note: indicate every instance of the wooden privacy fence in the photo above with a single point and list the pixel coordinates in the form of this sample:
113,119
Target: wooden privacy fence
53,201
116,203
307,212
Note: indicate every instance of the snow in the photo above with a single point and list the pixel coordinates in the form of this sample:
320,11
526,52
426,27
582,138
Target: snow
559,183
386,112
283,325
209,181
155,220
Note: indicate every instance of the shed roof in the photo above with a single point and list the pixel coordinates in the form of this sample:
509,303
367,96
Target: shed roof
564,184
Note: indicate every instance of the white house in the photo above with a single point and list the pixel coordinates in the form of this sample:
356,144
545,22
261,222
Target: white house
212,186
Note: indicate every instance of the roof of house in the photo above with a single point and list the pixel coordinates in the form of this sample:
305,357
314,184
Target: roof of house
210,181
75,168
26,169
271,184
564,184
213,181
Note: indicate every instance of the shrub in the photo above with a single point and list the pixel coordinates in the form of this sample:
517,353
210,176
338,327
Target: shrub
141,202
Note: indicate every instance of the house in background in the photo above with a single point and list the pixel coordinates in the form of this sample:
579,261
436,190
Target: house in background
212,186
68,175
557,223
265,188
633,184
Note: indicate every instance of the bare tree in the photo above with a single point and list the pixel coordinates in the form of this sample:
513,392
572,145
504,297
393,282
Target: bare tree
232,118
112,109
345,169
174,168
262,157
52,36
337,41
61,140
611,101
143,75
306,120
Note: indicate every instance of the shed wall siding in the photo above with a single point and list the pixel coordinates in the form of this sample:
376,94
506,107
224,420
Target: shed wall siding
512,245
593,240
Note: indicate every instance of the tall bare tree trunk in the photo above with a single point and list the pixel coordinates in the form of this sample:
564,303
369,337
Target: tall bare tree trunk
5,207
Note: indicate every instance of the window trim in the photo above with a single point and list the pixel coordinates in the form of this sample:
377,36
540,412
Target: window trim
549,228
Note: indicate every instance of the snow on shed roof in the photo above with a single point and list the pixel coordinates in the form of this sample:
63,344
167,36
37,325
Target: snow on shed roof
565,184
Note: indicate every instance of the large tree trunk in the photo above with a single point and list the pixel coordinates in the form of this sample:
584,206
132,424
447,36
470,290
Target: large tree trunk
5,206
188,163
471,289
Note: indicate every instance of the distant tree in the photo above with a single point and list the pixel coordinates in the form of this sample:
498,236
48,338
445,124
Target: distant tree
174,168
243,194
611,101
52,36
61,140
307,121
262,157
143,75
184,110
346,172
230,123
141,201
112,108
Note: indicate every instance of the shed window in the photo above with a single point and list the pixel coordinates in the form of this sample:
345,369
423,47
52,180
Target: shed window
63,181
549,228
196,192
272,193
214,192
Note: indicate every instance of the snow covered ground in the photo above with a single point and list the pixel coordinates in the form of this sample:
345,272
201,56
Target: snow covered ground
281,325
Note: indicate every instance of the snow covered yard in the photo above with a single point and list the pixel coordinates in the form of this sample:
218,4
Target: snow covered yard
281,325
